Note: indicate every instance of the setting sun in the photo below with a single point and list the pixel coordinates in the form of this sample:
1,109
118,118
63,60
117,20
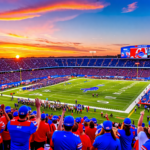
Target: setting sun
17,56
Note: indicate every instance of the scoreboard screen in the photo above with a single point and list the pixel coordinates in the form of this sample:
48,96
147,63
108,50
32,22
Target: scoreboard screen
138,51
148,51
125,53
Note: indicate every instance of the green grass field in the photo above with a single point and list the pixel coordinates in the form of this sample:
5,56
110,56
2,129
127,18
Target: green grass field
113,94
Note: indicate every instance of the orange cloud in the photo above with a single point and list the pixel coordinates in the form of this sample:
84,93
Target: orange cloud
13,35
44,50
15,18
17,36
51,6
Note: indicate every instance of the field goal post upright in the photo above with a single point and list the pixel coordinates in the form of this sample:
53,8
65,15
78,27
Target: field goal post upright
137,63
92,52
20,75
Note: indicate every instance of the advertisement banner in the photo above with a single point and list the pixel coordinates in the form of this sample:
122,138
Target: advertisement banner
138,52
125,52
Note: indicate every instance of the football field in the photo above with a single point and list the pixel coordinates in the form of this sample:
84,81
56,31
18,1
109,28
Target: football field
114,96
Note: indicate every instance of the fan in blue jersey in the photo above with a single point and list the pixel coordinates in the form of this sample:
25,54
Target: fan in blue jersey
20,130
126,135
99,128
106,140
146,146
66,140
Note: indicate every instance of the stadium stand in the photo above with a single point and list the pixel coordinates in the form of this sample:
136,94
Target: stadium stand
72,133
32,63
35,68
8,77
39,129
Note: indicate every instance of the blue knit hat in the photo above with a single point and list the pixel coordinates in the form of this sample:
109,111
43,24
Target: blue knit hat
107,125
15,114
8,109
78,119
69,121
23,110
87,120
94,120
43,116
127,121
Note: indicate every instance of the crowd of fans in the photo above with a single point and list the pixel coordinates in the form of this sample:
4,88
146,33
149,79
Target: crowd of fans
27,129
9,77
45,82
33,63
40,67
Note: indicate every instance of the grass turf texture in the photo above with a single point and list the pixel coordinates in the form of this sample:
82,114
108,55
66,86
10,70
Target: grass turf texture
69,92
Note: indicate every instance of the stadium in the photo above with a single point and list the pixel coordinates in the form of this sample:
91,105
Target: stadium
74,75
106,85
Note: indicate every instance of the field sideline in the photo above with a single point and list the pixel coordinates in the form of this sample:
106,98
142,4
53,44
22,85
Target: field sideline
112,95
106,101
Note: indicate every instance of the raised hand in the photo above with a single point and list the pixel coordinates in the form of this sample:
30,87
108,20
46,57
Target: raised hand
3,107
37,103
63,112
142,113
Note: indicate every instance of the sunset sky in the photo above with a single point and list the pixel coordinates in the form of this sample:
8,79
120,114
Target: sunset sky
43,28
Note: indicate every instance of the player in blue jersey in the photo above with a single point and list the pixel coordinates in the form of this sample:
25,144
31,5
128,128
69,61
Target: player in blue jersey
66,140
20,130
126,135
106,140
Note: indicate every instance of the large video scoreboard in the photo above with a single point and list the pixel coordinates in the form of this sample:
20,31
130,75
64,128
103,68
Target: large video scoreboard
137,51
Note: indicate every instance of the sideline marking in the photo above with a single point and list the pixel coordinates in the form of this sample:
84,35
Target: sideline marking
99,108
131,113
131,106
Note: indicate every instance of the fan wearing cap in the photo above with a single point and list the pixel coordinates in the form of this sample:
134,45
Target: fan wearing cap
20,130
95,122
40,136
106,140
66,140
80,126
5,118
90,131
86,142
54,120
126,135
16,115
86,123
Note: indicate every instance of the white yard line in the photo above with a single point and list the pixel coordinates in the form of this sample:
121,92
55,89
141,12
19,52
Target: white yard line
99,108
136,100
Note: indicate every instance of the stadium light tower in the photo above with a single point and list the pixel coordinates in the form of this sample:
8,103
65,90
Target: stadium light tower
93,52
20,74
137,63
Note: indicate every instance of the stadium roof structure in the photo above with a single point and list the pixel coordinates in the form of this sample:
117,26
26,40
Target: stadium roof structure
134,46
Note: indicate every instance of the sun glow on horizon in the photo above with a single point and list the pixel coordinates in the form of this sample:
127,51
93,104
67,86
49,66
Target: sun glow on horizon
17,56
